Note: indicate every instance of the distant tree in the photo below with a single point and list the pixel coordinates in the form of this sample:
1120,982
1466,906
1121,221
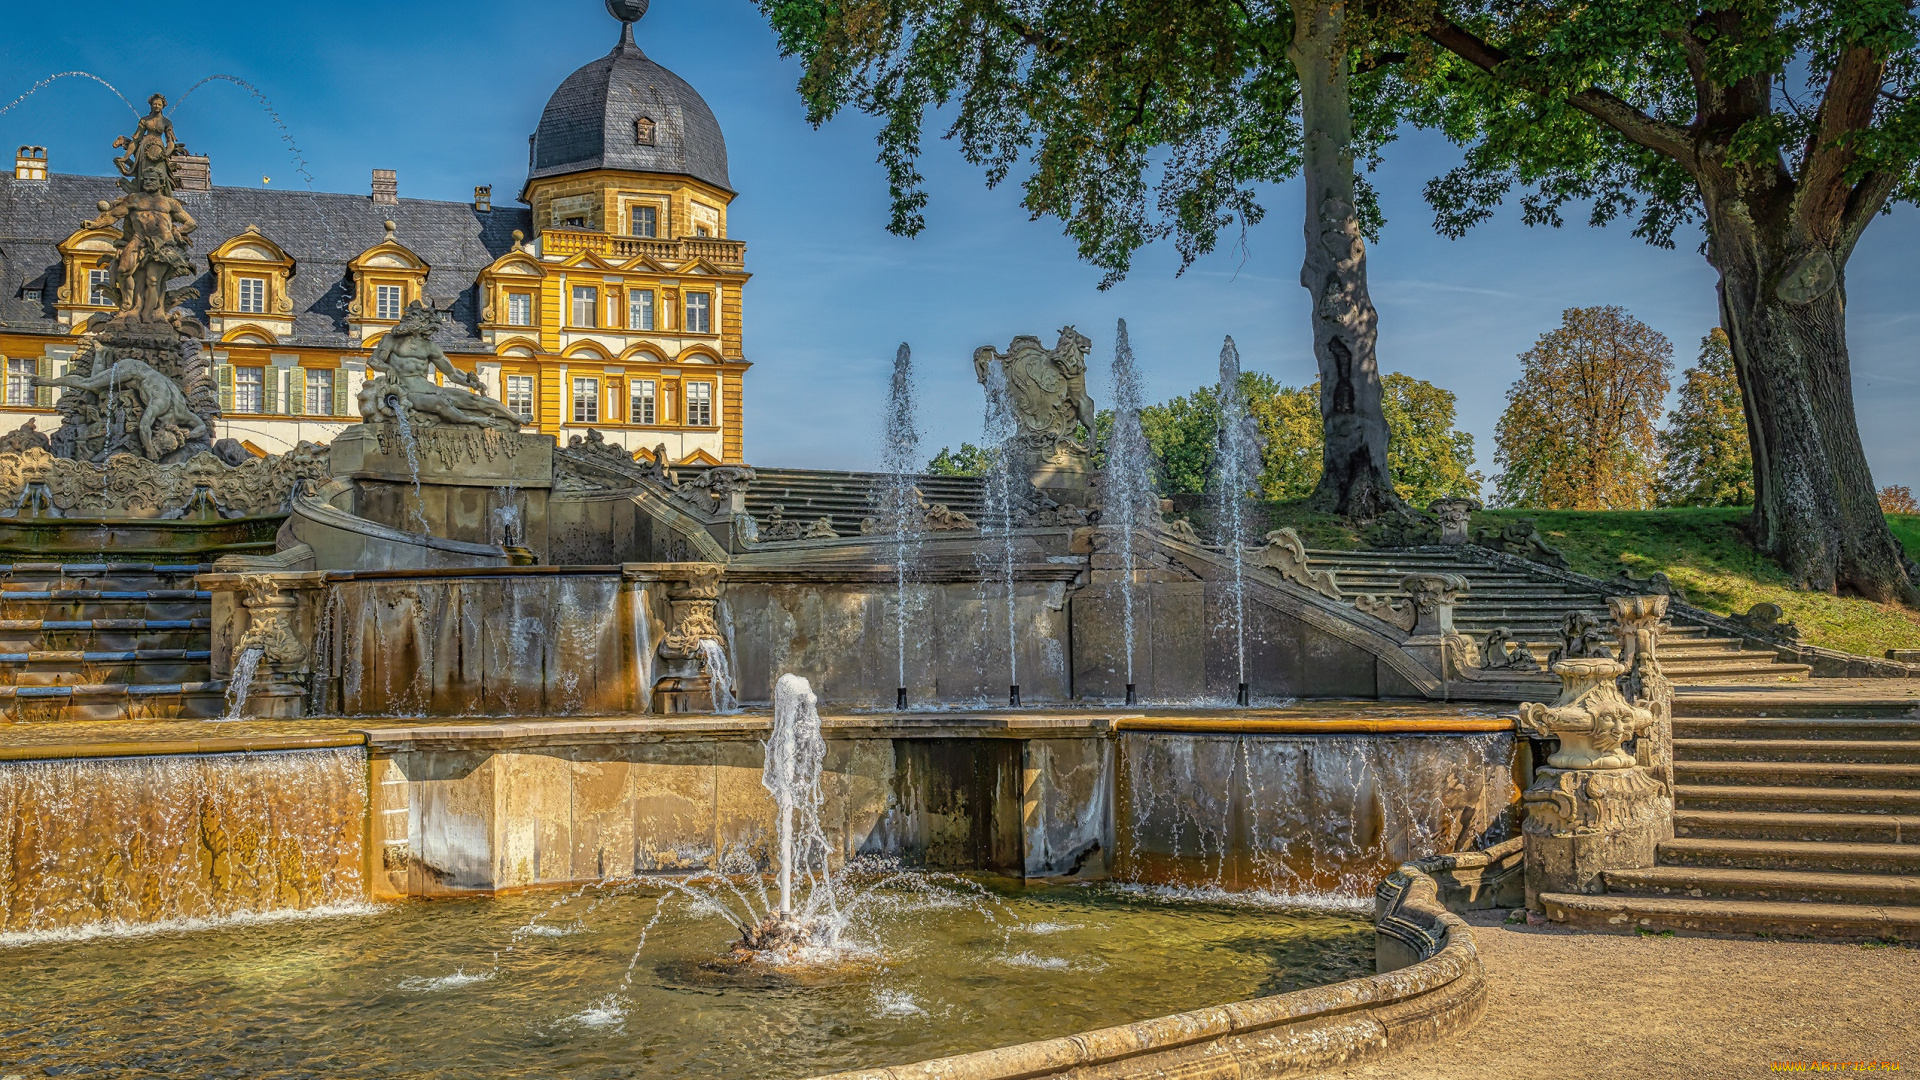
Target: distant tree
1706,459
1429,459
969,460
1579,430
1898,499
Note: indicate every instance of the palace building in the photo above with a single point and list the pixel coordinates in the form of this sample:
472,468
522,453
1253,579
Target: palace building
611,300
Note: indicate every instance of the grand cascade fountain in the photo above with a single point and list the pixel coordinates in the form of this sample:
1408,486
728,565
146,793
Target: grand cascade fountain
765,756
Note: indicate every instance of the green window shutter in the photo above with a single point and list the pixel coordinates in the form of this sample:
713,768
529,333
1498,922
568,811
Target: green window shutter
223,374
43,395
296,391
270,391
343,402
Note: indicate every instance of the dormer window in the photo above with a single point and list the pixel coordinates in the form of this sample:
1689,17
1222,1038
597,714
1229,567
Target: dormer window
388,302
643,131
97,294
31,295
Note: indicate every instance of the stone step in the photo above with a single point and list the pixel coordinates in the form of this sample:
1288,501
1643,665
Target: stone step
1798,799
1622,914
162,701
1781,825
1797,727
1800,773
1818,855
1763,673
1733,704
1812,750
75,605
1725,883
136,666
103,635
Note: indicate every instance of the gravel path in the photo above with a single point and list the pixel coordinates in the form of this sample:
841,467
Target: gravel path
1575,1006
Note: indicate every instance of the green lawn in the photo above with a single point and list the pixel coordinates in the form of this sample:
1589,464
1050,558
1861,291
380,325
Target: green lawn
1704,551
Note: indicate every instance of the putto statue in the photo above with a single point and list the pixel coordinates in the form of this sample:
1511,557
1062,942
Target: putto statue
1046,391
406,360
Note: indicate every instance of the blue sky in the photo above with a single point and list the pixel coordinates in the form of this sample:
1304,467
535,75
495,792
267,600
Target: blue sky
447,93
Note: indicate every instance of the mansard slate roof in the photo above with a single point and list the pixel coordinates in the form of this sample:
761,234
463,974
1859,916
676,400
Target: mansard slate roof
589,122
321,232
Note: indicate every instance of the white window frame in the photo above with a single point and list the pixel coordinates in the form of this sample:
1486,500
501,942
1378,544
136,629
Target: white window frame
251,293
389,298
323,389
520,391
699,313
640,309
519,309
644,408
586,400
586,306
97,283
21,393
250,381
699,403
633,221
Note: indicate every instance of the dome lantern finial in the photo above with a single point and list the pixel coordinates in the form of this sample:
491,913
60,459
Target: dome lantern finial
628,12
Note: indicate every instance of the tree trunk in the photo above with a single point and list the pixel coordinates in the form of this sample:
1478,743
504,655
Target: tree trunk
1783,305
1354,480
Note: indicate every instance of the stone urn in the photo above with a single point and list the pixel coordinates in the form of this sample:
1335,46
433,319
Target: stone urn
1593,808
1591,718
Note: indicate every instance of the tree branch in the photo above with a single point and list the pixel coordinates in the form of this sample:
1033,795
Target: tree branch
1638,127
1847,108
1864,202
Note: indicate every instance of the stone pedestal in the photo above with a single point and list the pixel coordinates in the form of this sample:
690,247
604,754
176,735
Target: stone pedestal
471,484
1581,822
683,669
1456,519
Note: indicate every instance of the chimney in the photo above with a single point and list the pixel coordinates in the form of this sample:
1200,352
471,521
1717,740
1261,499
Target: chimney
30,163
483,198
386,187
191,172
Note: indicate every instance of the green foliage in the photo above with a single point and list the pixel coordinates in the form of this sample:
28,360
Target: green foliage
1578,432
1429,458
1706,458
1599,104
969,460
1708,555
1087,99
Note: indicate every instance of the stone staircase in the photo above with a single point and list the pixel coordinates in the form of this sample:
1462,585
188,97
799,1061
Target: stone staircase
105,641
1531,608
848,498
1797,818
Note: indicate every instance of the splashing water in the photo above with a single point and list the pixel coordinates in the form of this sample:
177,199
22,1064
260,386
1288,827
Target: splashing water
998,430
795,754
409,443
242,683
713,656
900,460
1236,468
1128,488
286,135
51,79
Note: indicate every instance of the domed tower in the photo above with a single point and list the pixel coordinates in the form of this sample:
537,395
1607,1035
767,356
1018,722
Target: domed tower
637,300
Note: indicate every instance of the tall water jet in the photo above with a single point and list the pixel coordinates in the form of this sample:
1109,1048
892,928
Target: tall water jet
795,755
1128,490
901,462
995,557
1236,469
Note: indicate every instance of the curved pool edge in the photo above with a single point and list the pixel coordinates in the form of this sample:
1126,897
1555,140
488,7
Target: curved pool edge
1434,987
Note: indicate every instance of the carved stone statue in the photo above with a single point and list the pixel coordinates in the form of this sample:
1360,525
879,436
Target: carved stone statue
406,360
156,232
166,421
1046,391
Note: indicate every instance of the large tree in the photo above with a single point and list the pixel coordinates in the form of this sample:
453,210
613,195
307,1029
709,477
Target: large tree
1705,458
1579,430
1224,94
1785,126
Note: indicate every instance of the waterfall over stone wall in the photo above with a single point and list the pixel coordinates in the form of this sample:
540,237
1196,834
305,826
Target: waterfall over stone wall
106,844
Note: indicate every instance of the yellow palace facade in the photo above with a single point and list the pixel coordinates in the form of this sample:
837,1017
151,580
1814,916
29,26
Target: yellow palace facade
612,299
